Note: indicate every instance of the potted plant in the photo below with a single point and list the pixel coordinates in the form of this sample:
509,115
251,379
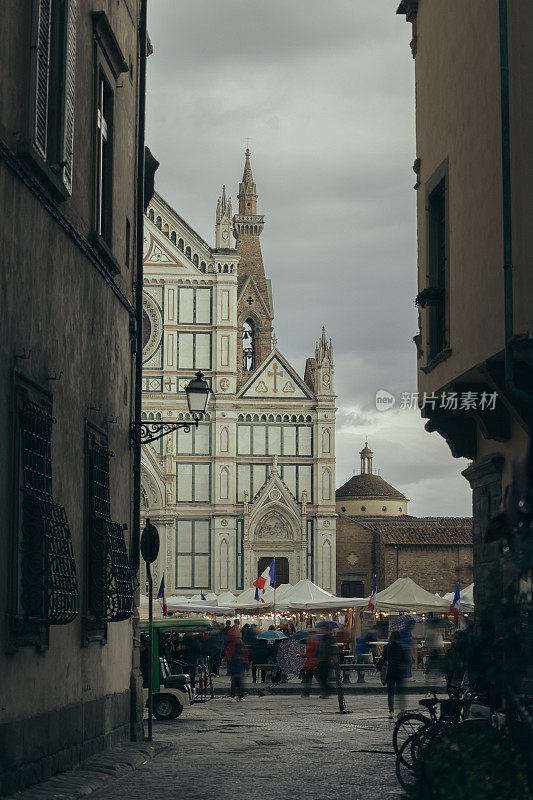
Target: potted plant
429,296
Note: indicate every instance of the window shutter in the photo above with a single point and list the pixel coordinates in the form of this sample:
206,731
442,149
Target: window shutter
69,85
40,70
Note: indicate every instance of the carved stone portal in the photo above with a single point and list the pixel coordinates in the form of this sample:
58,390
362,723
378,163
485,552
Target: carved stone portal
273,526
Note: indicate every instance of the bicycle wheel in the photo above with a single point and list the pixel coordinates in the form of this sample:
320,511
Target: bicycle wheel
405,773
406,726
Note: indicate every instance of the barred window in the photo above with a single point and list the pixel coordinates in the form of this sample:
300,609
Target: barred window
109,576
47,586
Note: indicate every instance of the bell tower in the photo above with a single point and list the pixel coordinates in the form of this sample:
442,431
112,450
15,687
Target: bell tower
254,296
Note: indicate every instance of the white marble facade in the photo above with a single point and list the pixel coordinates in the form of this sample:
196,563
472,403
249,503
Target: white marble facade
256,479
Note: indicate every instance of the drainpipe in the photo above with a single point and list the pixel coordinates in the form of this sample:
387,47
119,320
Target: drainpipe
506,209
135,554
397,560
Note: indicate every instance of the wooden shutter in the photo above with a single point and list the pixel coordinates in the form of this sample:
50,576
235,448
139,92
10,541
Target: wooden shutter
69,83
40,74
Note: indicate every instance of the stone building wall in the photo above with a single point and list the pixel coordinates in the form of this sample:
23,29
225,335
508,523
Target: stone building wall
436,569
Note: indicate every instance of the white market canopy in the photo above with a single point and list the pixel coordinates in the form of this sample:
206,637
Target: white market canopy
247,600
302,593
199,606
406,595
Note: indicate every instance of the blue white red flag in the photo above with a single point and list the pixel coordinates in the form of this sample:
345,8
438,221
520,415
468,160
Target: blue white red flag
372,597
455,605
161,595
266,577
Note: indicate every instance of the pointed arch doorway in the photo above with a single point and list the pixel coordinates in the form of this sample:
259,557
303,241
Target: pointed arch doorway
282,568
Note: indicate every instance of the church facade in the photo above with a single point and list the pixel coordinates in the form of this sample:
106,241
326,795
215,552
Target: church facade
256,479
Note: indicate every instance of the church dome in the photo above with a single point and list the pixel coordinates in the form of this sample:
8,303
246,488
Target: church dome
367,484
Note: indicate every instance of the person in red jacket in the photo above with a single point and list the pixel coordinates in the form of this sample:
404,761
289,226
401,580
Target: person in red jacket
311,662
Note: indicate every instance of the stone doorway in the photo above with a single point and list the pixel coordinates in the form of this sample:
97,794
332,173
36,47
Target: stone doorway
282,568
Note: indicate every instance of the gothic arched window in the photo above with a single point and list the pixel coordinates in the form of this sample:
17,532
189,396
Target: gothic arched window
248,346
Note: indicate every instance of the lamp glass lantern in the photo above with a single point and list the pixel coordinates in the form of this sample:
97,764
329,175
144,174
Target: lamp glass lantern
198,392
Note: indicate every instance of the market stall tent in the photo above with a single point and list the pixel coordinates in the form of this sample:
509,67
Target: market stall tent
406,595
305,591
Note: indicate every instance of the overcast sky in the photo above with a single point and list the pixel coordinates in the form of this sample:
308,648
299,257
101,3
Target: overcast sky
325,93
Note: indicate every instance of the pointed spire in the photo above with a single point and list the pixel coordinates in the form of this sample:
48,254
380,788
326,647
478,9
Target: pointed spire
323,349
247,176
247,189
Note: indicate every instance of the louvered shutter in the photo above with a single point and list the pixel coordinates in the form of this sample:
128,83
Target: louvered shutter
40,76
69,83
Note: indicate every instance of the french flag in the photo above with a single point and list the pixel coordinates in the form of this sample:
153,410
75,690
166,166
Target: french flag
257,598
372,597
161,595
268,576
455,605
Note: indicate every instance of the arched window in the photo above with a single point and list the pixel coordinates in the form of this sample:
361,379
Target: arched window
195,259
224,564
173,237
326,441
224,438
158,222
326,565
202,266
248,346
326,485
188,252
151,215
180,245
224,483
165,229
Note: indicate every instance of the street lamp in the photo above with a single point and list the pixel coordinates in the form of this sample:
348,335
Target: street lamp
197,391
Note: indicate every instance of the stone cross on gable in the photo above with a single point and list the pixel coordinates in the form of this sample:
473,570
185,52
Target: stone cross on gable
274,373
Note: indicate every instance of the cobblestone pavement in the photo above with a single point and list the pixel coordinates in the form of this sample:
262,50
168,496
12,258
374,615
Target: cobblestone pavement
277,746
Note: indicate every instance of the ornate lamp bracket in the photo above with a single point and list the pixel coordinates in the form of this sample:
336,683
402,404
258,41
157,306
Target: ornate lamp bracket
149,430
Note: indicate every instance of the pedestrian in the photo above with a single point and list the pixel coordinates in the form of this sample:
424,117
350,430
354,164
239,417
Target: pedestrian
310,664
238,663
456,661
216,648
394,660
327,650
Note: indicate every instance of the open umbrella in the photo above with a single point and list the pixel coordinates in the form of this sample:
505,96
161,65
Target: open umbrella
403,621
271,635
289,659
299,635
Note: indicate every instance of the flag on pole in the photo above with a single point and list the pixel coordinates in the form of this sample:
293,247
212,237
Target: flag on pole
268,576
455,605
161,595
202,596
372,597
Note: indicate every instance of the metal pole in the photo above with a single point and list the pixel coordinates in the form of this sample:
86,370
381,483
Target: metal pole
340,689
150,651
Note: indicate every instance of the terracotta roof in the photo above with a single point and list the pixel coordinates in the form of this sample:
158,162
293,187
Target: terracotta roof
368,485
423,530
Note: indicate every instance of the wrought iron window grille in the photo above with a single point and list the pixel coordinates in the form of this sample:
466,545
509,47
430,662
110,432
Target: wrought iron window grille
111,589
48,581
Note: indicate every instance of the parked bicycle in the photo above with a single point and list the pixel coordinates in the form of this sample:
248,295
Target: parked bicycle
414,731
